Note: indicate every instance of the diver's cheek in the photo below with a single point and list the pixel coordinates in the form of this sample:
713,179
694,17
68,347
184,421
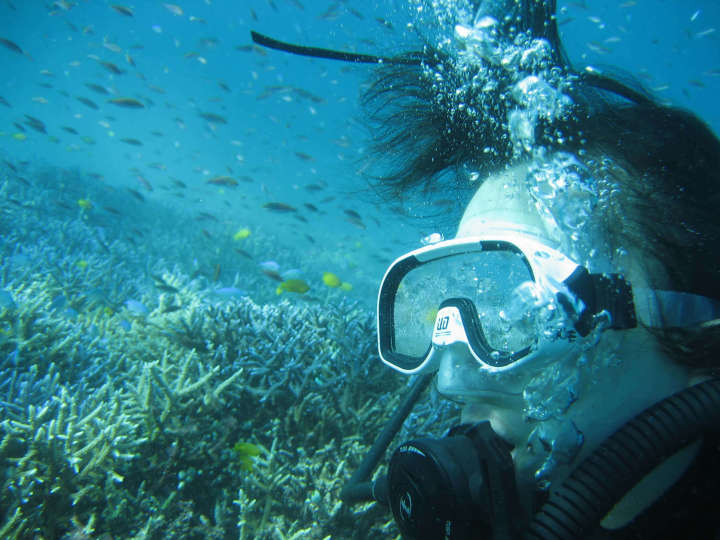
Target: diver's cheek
461,378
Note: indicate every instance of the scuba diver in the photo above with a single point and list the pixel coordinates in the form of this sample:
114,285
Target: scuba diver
576,313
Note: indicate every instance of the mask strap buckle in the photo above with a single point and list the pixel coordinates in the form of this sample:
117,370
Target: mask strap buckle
604,296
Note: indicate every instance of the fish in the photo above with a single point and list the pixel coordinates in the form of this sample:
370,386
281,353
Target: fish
85,204
127,103
230,292
244,253
5,102
212,117
97,88
144,182
87,102
135,193
279,207
6,300
11,45
111,67
704,33
241,234
174,9
227,181
136,307
122,10
311,207
387,25
206,216
304,156
331,280
35,124
314,187
347,287
131,141
161,284
294,285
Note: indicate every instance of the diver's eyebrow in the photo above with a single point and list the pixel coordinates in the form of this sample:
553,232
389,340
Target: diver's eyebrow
318,52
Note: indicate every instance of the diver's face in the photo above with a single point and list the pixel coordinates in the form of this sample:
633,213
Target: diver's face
503,203
556,410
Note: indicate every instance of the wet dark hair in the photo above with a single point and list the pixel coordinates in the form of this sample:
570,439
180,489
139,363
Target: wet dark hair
664,160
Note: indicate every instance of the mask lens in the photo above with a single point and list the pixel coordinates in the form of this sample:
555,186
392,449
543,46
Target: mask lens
488,278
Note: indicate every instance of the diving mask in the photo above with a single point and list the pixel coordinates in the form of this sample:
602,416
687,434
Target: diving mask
509,298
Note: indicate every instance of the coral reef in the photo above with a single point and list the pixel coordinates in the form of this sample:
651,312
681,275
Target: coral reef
177,414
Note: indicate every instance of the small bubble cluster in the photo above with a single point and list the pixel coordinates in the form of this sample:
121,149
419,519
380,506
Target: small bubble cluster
497,80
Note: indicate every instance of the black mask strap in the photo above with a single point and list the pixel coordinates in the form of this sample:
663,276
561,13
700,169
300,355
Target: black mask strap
317,52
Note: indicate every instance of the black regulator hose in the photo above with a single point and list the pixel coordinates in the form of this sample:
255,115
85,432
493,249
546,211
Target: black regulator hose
359,488
575,508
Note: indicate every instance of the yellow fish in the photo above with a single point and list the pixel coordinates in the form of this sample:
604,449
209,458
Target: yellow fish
82,265
19,136
345,286
293,285
241,234
331,280
85,204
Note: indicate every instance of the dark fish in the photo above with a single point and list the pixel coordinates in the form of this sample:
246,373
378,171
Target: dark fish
272,274
19,126
279,207
161,284
144,182
300,218
355,13
139,196
212,117
87,102
14,47
97,88
313,187
311,207
111,67
131,141
353,214
122,10
111,210
223,181
3,101
384,23
128,103
35,123
246,178
224,86
206,216
304,156
310,238
301,92
178,183
244,253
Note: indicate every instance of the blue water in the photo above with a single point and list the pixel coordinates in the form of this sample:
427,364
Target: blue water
106,215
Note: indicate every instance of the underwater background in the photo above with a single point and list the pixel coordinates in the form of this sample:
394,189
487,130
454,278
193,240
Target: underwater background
190,255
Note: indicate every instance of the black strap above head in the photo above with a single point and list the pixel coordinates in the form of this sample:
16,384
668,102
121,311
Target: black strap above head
609,293
318,52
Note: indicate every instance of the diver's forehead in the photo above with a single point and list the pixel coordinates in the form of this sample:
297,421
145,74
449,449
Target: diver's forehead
503,201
